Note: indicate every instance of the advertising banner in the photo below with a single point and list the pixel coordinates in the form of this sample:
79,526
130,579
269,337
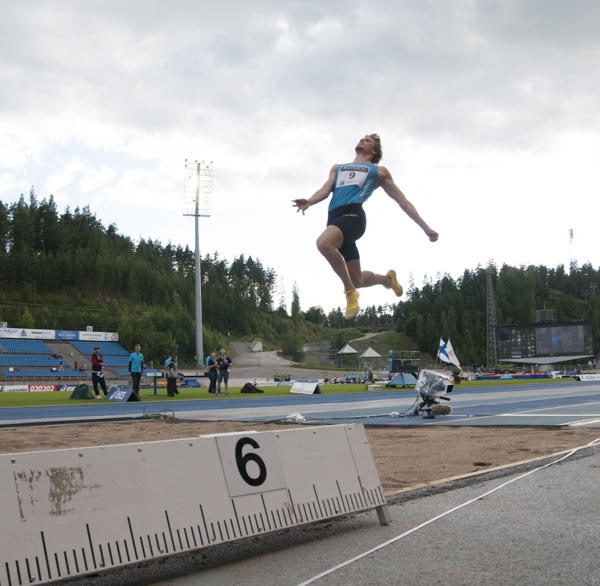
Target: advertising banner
99,336
26,334
66,335
588,377
306,388
41,388
9,332
122,394
14,389
69,388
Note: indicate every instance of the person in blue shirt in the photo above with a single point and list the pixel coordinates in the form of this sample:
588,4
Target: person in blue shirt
136,367
352,184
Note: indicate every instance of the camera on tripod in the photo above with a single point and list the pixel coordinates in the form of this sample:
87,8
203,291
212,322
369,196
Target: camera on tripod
432,387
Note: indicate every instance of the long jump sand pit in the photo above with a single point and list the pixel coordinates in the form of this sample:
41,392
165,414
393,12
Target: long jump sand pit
406,457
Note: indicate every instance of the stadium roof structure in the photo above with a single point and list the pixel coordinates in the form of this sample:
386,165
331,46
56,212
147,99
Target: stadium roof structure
546,359
347,349
370,353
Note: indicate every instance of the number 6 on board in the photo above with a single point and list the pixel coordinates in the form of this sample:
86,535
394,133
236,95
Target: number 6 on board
250,467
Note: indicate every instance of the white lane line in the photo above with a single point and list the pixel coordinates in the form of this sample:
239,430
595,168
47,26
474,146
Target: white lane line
441,516
546,415
283,410
561,407
584,422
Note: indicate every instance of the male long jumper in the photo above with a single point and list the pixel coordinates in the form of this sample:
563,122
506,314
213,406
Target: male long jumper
352,184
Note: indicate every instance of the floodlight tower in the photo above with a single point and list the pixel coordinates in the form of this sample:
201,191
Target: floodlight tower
492,354
197,201
570,247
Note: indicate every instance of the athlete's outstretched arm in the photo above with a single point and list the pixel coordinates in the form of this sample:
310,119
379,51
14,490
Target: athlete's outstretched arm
384,178
319,195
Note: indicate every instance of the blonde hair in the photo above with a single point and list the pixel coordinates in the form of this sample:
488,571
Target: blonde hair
378,150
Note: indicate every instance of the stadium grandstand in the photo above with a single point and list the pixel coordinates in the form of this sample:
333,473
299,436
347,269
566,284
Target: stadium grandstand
52,360
34,360
25,346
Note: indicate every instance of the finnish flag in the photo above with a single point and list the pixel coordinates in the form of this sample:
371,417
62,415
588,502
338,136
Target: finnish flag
443,352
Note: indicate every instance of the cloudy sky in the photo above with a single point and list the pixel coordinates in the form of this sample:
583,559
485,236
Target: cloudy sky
488,111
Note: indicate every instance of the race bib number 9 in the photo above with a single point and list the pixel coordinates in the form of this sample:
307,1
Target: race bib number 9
351,175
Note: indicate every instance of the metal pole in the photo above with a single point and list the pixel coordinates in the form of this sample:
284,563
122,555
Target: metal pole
199,345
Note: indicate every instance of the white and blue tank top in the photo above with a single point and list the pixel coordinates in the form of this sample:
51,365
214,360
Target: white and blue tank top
354,184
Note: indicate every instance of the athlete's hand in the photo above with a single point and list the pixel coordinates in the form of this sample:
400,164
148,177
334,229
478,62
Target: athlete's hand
301,204
433,235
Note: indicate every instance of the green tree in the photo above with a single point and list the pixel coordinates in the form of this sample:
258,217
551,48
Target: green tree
292,346
296,314
316,315
26,320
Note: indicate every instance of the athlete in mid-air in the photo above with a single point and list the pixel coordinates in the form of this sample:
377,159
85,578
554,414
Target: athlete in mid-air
352,184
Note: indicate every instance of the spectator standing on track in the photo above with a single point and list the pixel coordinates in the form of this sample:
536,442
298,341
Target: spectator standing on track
98,372
224,364
212,367
136,368
171,373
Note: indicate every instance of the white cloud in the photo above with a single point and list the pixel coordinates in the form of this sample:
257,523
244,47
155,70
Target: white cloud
488,112
8,182
57,181
94,180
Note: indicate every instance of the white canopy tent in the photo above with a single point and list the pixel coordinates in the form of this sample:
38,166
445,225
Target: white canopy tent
365,359
370,353
347,349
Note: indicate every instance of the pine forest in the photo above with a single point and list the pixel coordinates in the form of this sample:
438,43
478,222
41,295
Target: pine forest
67,270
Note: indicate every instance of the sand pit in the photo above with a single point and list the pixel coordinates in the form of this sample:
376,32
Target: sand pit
406,457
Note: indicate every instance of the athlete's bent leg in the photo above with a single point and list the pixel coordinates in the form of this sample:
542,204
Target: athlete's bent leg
328,244
362,278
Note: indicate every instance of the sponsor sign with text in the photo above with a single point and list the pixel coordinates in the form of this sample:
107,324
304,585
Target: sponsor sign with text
122,394
99,336
66,335
24,333
27,334
14,389
306,388
41,388
69,388
588,377
9,333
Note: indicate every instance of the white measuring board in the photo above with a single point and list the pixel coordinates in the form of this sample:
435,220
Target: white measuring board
71,512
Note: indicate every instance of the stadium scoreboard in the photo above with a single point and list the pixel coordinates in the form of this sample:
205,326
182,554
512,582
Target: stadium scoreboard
404,361
555,340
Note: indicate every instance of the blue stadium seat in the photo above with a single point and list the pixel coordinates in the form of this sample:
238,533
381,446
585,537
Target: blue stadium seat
31,360
106,348
51,374
116,360
25,346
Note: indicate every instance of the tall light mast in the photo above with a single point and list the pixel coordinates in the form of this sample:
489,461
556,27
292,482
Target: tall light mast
197,201
492,353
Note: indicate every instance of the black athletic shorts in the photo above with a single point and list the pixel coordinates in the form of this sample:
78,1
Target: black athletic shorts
352,221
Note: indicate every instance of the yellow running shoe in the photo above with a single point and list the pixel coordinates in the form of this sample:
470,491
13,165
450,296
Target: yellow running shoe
352,308
395,286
